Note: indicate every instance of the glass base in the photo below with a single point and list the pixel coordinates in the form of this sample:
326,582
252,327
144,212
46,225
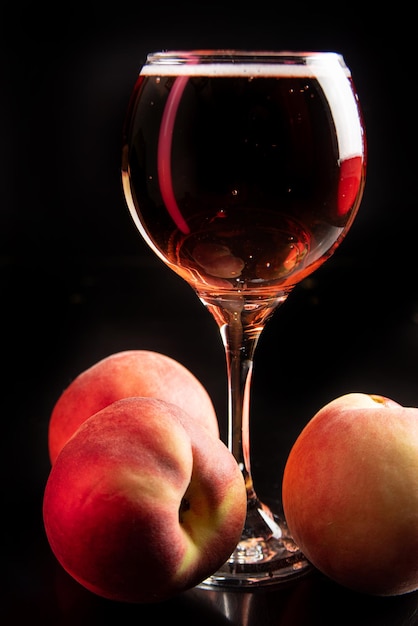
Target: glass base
259,562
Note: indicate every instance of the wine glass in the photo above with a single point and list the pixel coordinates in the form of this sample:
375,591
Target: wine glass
243,171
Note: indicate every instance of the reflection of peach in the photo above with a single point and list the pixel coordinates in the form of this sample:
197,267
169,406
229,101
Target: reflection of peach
282,262
349,183
142,502
350,493
125,374
218,260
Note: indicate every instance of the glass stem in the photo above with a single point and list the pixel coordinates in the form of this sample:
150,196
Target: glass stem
241,322
239,351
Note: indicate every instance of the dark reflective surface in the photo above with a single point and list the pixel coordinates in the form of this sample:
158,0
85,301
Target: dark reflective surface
77,284
47,594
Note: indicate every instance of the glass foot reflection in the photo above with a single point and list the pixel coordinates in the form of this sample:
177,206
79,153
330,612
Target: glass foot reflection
259,562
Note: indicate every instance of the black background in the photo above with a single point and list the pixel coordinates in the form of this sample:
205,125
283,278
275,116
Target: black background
77,283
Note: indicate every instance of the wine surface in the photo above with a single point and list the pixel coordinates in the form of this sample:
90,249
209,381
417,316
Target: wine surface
243,177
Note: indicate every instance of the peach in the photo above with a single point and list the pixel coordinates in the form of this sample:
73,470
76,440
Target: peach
122,375
350,493
143,503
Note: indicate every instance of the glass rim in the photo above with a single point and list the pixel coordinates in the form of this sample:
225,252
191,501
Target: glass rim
234,55
244,63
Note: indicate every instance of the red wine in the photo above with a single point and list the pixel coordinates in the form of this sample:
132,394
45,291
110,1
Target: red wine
243,177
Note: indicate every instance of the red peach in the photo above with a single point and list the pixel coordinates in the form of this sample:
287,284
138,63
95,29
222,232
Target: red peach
143,503
122,375
350,493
